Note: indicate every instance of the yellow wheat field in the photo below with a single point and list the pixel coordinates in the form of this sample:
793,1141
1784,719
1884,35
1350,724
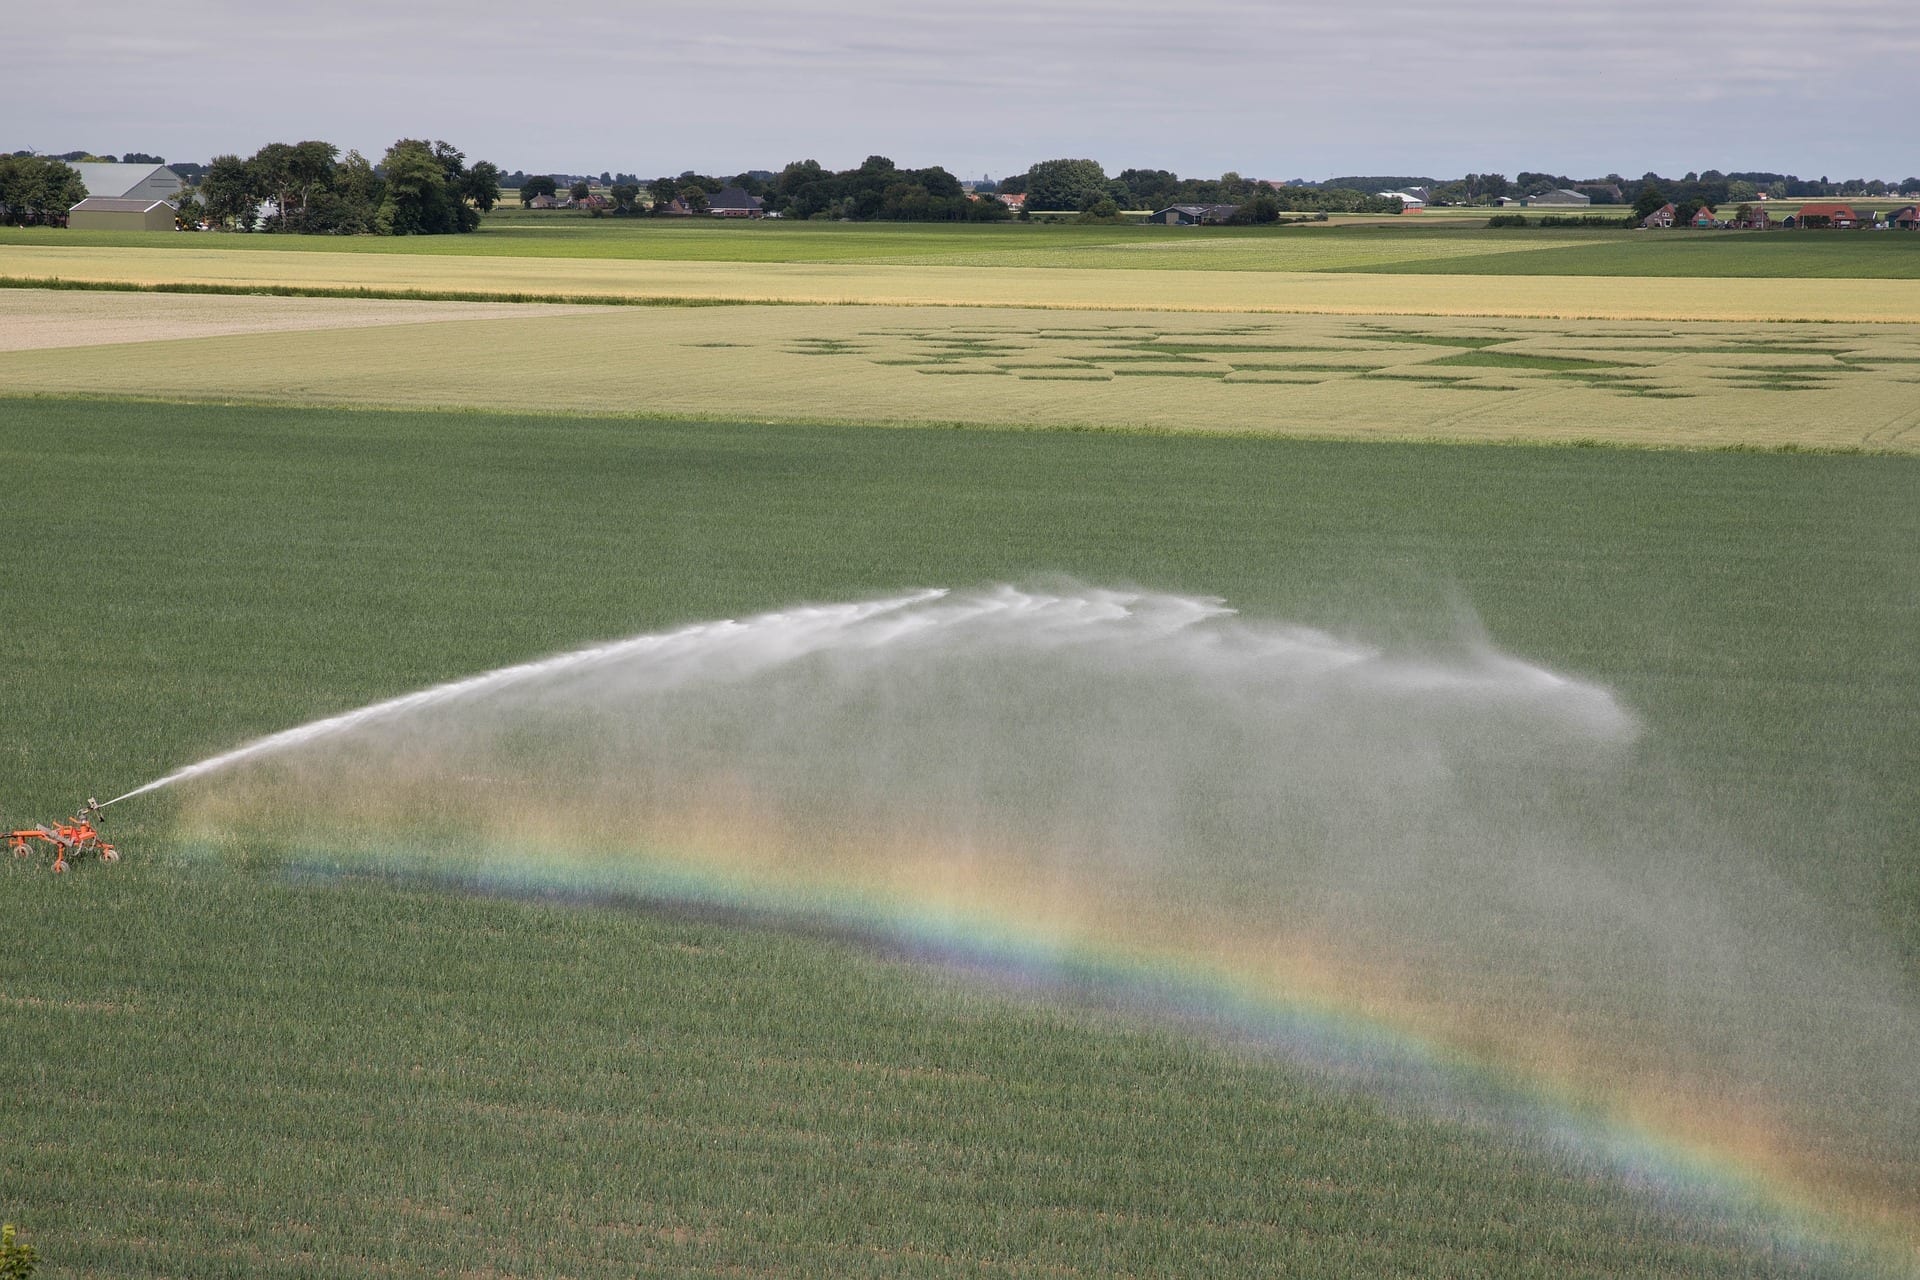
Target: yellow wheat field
1067,288
1698,384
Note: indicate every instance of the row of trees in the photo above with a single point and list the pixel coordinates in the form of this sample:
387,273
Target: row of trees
37,191
418,188
1083,186
1711,187
876,191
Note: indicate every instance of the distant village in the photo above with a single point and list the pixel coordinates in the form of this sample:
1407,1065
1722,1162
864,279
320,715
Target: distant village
147,196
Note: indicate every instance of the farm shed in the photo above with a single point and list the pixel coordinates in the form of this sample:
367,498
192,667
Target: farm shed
130,181
733,202
1193,215
1561,196
102,213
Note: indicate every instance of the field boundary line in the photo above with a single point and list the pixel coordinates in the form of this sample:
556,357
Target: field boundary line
373,293
379,293
642,417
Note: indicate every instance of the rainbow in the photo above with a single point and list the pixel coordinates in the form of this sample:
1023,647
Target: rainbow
1346,856
1726,1166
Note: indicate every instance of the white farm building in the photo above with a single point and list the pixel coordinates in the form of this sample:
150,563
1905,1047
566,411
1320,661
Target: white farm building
130,181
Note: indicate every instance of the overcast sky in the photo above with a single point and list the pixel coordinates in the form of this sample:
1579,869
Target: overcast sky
1274,90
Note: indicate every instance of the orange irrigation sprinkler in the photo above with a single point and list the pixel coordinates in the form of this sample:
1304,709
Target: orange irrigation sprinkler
71,840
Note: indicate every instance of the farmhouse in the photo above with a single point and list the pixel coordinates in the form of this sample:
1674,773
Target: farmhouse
1193,215
734,202
104,213
1562,196
1828,215
1704,218
1661,217
1905,219
130,181
1014,200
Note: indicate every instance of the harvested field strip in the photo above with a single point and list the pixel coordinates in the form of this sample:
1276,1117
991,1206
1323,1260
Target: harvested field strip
1069,289
27,322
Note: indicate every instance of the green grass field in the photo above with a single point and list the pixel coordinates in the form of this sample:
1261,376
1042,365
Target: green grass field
1415,249
237,1074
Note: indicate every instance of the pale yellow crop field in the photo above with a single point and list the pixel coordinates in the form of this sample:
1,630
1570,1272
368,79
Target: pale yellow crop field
1700,384
31,319
1071,288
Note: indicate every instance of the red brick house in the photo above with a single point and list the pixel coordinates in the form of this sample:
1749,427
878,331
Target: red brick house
1828,215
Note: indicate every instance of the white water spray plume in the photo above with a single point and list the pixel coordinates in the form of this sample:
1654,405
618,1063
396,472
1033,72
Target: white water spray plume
1455,844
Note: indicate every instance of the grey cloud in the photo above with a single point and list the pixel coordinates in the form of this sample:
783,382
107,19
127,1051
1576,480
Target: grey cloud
1273,88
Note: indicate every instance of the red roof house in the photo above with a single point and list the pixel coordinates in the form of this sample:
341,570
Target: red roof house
1828,215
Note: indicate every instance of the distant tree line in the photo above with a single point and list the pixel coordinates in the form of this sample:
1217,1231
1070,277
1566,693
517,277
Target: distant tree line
423,188
1082,186
418,188
876,191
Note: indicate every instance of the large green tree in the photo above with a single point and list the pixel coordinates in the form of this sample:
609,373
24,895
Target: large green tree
289,174
37,191
419,200
480,185
229,194
348,203
1065,184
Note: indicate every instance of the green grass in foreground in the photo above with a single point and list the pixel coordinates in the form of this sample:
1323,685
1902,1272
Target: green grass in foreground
231,1075
1828,255
1417,249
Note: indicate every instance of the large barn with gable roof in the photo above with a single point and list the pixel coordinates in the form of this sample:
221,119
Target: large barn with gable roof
130,181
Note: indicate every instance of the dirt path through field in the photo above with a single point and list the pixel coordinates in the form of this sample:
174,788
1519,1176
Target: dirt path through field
42,319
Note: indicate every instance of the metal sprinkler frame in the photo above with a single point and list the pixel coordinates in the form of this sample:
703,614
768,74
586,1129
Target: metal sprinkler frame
71,840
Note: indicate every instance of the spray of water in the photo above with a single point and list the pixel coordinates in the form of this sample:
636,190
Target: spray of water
664,645
1449,842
